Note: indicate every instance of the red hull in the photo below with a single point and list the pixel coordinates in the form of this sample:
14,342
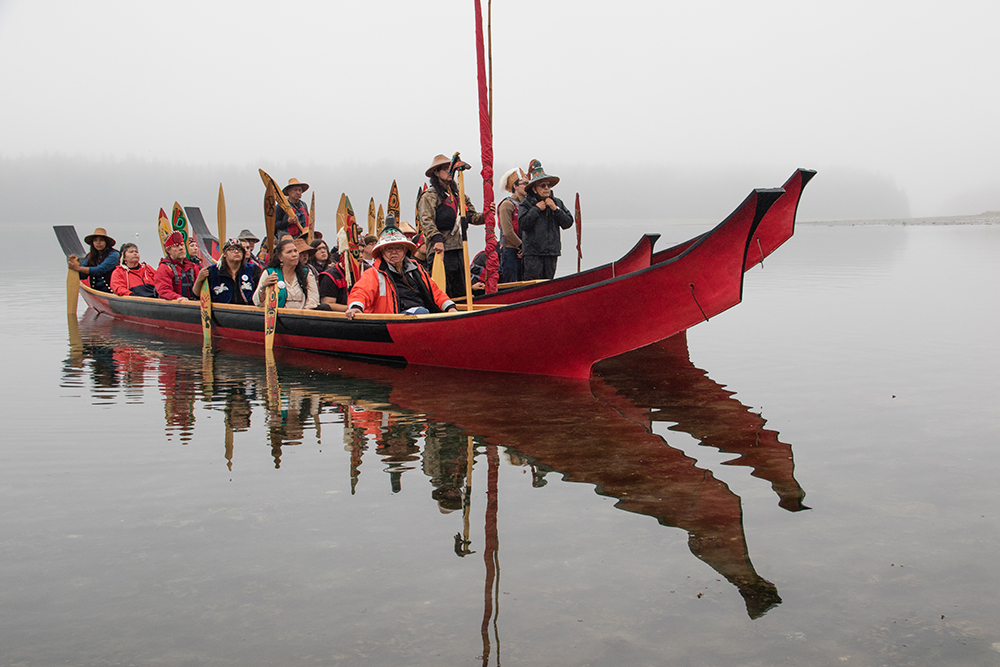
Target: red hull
776,228
562,334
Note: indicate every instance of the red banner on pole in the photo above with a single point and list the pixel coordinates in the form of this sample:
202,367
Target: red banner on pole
486,144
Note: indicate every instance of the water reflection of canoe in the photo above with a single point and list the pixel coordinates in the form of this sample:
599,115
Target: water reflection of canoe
776,227
588,432
563,334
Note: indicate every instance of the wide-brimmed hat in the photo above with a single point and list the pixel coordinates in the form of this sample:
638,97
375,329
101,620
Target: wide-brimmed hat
537,175
407,228
175,238
392,236
247,235
302,246
295,181
439,161
100,231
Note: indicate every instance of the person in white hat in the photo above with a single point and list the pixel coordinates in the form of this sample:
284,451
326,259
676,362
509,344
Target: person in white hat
515,183
395,283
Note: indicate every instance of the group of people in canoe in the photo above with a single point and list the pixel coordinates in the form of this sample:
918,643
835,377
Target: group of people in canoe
394,271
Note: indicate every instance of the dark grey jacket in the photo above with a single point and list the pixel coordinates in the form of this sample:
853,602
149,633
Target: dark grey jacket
540,229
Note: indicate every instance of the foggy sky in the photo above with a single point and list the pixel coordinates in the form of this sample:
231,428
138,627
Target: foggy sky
902,94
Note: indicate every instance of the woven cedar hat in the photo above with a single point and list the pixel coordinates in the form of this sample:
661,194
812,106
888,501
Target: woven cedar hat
100,231
392,236
302,246
247,235
537,175
295,181
439,161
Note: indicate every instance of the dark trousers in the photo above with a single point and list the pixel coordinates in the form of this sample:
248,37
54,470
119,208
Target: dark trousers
539,267
454,273
510,265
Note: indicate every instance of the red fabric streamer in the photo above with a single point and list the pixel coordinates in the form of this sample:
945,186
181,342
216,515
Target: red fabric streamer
486,144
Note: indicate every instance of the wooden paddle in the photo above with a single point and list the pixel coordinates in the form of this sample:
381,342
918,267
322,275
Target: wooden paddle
312,219
221,216
579,226
371,216
206,315
278,198
380,221
72,291
392,208
270,316
465,239
163,230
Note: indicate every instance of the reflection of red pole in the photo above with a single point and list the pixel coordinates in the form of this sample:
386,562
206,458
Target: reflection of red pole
491,556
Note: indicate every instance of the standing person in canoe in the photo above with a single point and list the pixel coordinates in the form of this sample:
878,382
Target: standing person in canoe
439,211
100,262
176,273
296,284
395,283
540,217
300,224
231,279
516,184
133,277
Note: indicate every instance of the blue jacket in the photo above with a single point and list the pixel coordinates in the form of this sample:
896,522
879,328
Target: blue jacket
100,275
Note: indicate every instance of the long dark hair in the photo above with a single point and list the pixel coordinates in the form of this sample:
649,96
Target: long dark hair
301,272
443,189
93,257
329,256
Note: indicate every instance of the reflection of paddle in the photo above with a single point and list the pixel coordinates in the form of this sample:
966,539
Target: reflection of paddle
270,315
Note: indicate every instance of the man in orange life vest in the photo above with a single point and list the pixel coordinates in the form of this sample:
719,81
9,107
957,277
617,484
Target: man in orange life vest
175,275
395,283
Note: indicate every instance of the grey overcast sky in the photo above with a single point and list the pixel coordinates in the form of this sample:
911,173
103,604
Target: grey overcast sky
907,90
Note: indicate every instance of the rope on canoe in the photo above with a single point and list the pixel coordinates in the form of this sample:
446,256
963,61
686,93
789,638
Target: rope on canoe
698,304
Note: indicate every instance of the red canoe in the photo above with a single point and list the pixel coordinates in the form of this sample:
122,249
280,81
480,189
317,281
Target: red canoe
562,334
777,227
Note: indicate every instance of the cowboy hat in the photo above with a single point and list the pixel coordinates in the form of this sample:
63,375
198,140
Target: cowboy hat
439,161
100,231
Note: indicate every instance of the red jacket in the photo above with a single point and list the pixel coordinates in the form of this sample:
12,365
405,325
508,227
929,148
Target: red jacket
375,292
123,279
174,280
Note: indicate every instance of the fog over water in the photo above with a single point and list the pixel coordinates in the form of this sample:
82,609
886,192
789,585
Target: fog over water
653,110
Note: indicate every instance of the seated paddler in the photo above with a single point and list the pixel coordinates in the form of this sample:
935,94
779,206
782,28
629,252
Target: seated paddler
395,283
175,275
232,279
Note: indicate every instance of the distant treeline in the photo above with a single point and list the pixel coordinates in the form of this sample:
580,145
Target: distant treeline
128,193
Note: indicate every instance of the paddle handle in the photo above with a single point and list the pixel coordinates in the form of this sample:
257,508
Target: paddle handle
270,316
465,242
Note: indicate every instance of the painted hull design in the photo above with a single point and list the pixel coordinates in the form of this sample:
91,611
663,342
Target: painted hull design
563,334
777,227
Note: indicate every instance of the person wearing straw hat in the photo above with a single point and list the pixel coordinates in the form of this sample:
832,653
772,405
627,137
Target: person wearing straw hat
395,283
439,210
300,224
231,279
176,273
100,262
516,184
540,217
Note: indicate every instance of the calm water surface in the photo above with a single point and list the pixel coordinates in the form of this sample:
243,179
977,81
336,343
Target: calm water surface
809,478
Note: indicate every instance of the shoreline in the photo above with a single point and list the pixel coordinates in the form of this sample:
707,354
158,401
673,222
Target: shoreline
987,218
